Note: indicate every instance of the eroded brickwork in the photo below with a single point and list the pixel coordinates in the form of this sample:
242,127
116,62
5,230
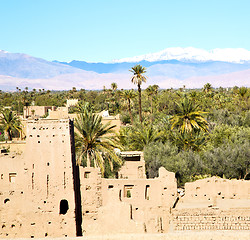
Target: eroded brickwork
211,220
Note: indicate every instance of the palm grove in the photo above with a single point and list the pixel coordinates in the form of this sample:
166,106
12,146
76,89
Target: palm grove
192,132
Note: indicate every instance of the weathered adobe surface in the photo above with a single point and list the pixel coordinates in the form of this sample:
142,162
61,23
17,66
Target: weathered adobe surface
33,186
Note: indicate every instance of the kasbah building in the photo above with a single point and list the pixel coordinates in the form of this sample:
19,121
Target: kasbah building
43,193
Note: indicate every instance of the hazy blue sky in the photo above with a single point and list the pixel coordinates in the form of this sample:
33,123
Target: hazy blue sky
103,30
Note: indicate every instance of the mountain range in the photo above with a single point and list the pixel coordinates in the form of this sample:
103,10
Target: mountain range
172,67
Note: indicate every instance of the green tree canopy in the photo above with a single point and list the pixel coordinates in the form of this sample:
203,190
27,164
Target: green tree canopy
94,141
188,118
10,122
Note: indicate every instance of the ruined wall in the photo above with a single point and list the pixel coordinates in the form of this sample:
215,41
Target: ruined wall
58,113
43,194
219,188
71,102
37,191
211,219
36,111
14,146
133,167
126,205
213,204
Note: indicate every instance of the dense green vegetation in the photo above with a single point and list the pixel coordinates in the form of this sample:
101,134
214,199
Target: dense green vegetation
94,142
193,132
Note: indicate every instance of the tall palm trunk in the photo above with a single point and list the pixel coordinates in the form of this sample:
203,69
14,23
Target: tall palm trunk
9,135
140,112
88,158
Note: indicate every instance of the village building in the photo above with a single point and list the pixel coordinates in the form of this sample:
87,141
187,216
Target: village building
44,194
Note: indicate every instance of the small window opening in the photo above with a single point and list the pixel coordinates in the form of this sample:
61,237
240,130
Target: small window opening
110,186
64,206
13,225
1,176
48,164
128,191
12,177
6,200
88,187
86,174
147,192
120,195
38,141
46,234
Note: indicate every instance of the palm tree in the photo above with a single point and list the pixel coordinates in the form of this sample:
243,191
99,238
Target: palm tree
151,91
138,78
139,136
114,86
188,117
10,122
207,87
242,91
129,95
94,141
187,141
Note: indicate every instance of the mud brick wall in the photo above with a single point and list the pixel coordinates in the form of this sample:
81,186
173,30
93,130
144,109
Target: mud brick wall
190,219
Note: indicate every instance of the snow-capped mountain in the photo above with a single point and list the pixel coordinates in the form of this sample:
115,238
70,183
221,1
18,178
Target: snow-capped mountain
190,54
171,68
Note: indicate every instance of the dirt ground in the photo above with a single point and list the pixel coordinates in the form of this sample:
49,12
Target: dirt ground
187,235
